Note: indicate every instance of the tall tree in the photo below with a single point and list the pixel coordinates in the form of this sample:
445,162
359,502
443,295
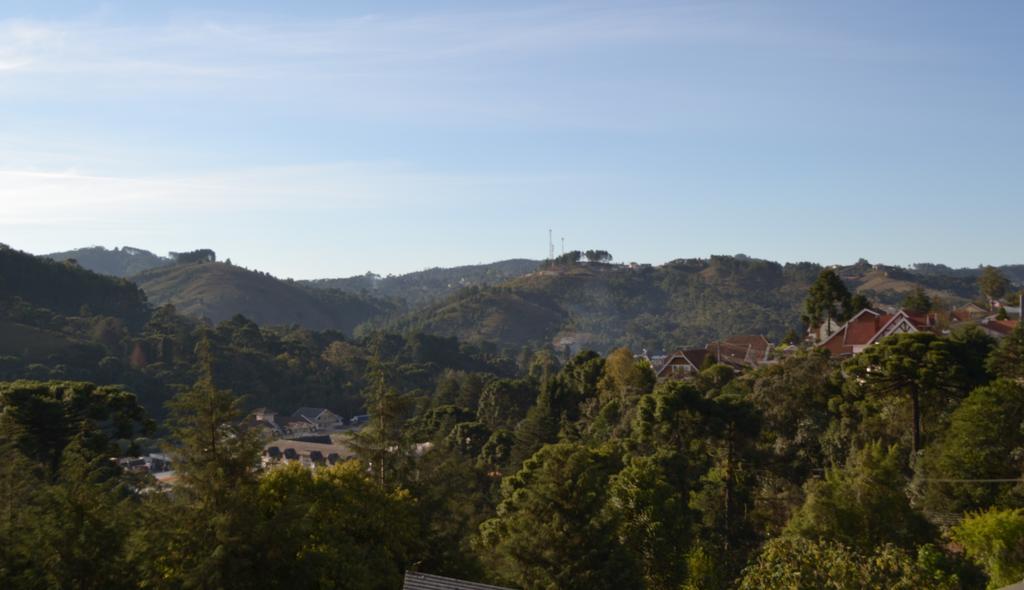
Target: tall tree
918,301
383,444
828,299
552,529
918,367
992,283
204,537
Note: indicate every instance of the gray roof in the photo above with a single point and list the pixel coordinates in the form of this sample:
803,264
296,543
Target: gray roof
418,581
309,413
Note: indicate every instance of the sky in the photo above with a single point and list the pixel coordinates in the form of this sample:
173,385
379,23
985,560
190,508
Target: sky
324,139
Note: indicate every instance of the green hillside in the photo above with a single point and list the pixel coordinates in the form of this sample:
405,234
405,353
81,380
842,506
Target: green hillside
65,288
219,291
420,288
682,303
119,262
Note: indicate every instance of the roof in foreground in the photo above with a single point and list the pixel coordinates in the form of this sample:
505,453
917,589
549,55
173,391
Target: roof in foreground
420,581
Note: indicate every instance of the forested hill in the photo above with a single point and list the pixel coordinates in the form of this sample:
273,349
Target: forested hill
119,262
218,291
687,302
66,288
420,288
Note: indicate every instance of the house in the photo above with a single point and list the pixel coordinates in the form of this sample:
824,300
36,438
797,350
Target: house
309,454
971,312
682,364
265,421
419,581
870,326
295,425
741,352
322,418
998,328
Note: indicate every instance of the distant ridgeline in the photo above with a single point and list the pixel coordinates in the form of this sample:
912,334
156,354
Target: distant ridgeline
59,321
577,304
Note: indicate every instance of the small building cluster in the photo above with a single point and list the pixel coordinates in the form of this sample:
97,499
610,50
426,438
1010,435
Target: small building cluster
310,452
301,422
870,326
737,352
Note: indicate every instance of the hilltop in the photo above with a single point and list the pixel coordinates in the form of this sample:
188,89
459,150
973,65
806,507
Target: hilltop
419,288
119,262
218,291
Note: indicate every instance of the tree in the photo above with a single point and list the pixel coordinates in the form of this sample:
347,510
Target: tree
992,283
49,414
863,504
918,366
918,301
333,527
995,540
794,563
201,255
382,444
204,537
984,441
552,530
648,499
1007,360
828,299
597,256
504,402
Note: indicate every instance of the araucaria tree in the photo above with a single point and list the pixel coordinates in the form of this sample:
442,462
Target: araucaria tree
918,367
828,299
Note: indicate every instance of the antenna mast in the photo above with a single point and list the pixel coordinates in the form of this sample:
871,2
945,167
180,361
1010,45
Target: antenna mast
563,246
551,247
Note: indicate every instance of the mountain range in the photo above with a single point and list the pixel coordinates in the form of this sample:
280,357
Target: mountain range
519,302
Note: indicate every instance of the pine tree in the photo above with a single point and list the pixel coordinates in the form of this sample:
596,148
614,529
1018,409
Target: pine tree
203,537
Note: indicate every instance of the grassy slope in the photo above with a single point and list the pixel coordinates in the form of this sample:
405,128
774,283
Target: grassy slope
219,291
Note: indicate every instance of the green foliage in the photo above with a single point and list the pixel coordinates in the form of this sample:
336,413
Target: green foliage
995,540
65,288
333,528
984,441
46,416
551,529
648,498
919,368
790,563
918,301
1007,359
992,283
827,300
863,504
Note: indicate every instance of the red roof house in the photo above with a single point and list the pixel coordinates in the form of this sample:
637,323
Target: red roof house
869,326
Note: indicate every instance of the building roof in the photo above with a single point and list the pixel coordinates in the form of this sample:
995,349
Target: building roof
419,581
869,326
1001,327
309,413
306,449
694,357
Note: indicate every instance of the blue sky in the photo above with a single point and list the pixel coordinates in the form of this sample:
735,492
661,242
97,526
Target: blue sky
313,140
